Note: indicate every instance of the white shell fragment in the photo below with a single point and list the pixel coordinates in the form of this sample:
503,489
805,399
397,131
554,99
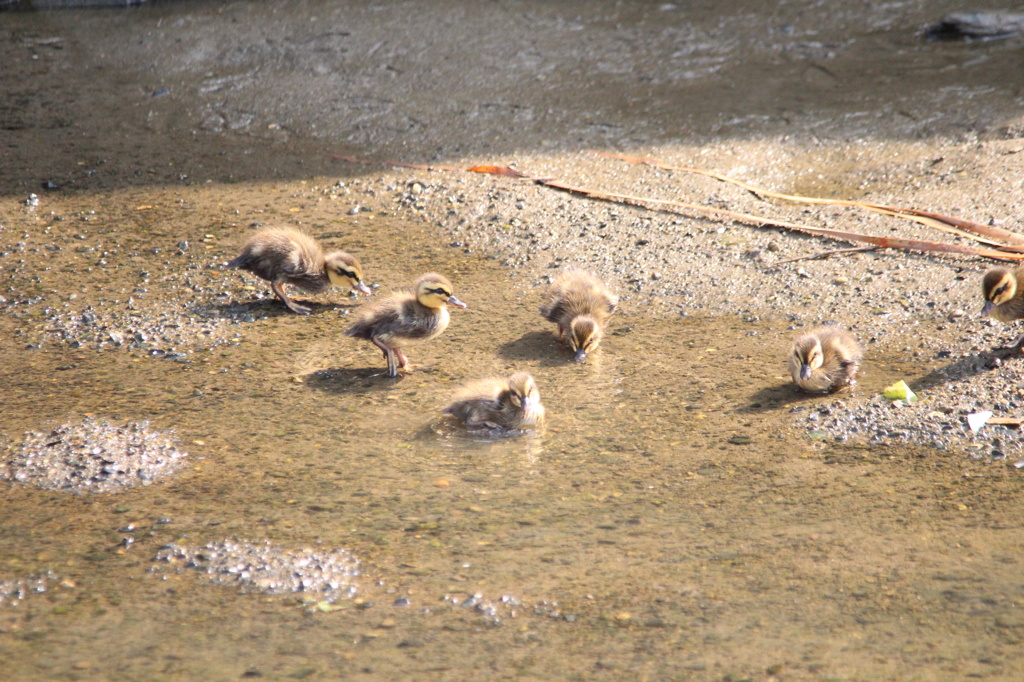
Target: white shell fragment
978,419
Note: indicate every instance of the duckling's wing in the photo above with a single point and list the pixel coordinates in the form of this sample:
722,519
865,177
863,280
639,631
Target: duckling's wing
839,344
415,321
299,255
374,319
553,310
280,254
613,302
472,404
473,411
293,267
251,255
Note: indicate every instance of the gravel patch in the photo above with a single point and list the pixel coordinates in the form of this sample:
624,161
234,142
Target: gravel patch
939,418
92,456
163,333
323,576
14,592
506,607
164,300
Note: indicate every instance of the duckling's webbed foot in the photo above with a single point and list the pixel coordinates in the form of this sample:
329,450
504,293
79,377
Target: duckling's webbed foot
849,377
996,356
407,367
278,289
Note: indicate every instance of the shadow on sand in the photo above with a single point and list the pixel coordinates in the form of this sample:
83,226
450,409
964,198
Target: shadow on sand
537,346
352,380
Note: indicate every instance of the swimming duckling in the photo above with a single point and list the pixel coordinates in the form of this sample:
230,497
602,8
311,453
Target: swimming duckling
580,304
288,256
824,360
407,317
499,403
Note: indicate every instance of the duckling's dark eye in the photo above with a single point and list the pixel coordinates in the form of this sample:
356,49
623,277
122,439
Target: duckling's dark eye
441,292
999,291
348,273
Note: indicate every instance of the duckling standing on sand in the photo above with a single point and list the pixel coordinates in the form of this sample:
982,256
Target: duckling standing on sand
499,403
288,256
407,317
580,304
824,360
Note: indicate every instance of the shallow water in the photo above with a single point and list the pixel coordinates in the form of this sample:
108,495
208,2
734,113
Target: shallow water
668,510
671,520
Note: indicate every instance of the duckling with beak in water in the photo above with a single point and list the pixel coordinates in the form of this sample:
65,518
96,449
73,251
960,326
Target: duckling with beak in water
824,360
580,304
288,256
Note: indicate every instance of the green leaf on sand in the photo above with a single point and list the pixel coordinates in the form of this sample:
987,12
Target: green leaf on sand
900,391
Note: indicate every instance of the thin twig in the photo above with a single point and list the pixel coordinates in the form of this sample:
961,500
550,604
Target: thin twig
827,254
684,208
760,221
967,228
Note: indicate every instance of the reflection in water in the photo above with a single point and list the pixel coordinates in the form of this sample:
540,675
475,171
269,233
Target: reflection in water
504,451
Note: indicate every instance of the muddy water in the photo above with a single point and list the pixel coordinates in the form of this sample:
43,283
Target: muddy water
669,519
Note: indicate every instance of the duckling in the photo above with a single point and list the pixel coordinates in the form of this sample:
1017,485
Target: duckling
580,304
1003,290
288,256
499,403
824,360
407,317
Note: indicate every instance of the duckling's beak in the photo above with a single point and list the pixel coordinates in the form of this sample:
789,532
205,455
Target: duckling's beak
987,308
527,403
360,287
805,372
581,356
456,302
